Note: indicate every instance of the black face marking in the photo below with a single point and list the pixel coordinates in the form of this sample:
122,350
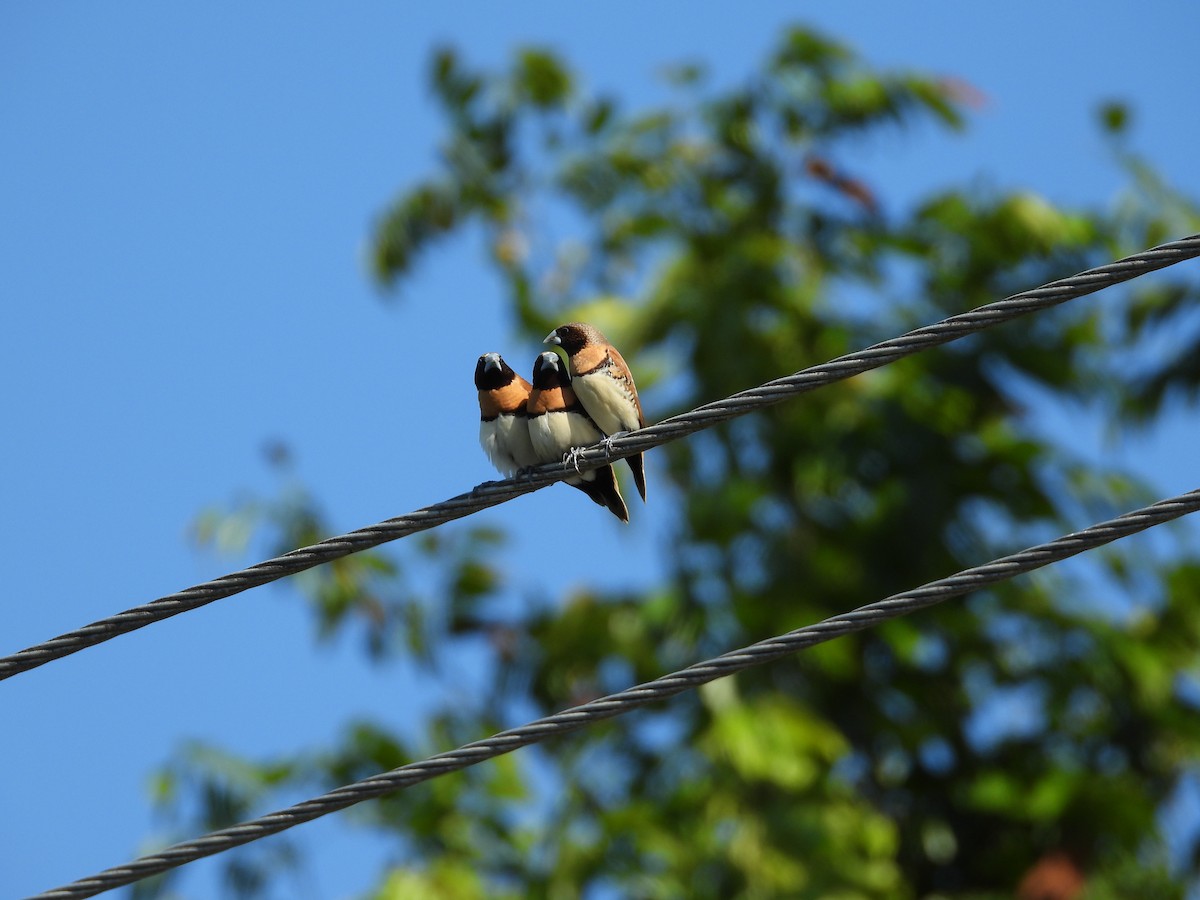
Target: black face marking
489,379
549,373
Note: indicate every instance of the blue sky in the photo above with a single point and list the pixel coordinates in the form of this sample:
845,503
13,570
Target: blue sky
186,195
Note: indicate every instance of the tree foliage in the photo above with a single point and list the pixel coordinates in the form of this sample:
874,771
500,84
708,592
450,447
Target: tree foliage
720,241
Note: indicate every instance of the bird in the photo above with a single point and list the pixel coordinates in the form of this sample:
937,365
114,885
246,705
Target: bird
558,424
604,385
503,428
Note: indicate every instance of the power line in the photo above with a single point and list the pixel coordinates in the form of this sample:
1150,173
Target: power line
495,492
632,698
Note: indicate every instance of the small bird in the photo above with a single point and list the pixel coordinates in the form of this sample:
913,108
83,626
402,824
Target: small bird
503,429
558,424
604,385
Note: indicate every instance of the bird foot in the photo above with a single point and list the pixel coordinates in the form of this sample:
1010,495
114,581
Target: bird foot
607,441
572,457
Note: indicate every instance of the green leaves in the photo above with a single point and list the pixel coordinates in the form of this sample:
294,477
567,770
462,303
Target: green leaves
771,741
541,79
720,241
411,225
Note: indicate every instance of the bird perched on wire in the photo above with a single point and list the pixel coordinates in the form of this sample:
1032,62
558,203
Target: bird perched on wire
503,429
558,424
604,385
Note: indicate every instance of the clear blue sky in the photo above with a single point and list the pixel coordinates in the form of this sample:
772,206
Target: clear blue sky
186,193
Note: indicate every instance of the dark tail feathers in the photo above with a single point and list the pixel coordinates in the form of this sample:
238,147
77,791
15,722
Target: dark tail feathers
604,491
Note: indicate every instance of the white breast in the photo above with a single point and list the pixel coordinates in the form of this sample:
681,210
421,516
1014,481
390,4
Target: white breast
607,401
515,431
553,434
506,442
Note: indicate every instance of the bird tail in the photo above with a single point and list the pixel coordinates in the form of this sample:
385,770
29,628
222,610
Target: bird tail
604,491
638,467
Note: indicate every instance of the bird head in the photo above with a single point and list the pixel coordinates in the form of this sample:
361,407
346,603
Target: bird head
549,371
574,336
492,372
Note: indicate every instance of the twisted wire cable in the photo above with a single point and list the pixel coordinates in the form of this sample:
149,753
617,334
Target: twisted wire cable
632,698
493,493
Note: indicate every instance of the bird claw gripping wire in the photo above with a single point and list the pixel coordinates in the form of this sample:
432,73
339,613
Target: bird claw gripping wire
572,457
607,441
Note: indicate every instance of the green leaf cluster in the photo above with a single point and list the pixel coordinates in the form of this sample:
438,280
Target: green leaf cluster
720,241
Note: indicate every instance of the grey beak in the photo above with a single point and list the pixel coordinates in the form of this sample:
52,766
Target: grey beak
553,338
491,361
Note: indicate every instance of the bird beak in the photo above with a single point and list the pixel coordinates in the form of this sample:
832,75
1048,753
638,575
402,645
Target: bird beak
553,338
491,362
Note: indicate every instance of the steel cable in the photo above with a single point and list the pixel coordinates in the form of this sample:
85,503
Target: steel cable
495,492
632,698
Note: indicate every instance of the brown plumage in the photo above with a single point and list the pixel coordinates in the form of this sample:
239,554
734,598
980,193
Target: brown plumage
604,385
558,424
